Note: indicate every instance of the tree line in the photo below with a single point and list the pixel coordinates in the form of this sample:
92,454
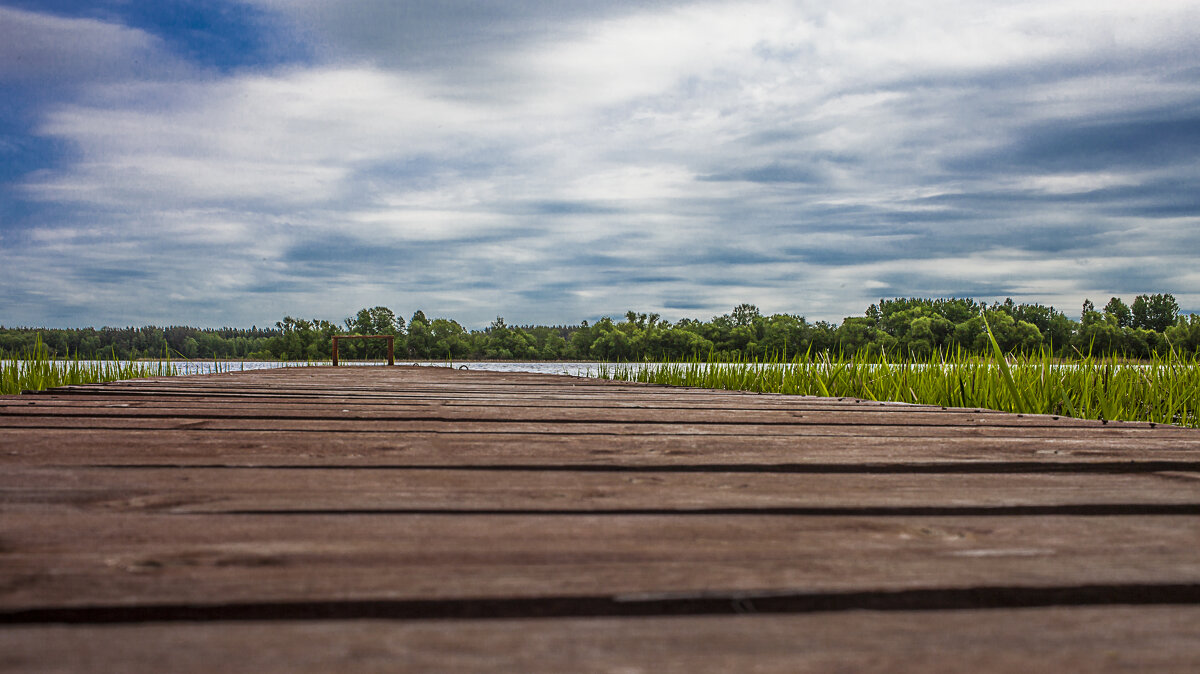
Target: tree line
915,327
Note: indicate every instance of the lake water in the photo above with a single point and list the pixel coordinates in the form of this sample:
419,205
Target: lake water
576,369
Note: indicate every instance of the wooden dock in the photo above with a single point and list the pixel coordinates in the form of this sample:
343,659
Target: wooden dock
433,519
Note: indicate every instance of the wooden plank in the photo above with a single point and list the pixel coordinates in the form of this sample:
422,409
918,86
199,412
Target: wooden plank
834,450
64,558
224,490
1079,639
312,494
606,400
514,384
383,416
559,415
328,382
333,424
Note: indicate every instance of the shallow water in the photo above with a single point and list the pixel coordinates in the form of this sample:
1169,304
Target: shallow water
570,368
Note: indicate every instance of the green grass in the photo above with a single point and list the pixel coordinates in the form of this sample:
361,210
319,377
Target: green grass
35,370
1164,390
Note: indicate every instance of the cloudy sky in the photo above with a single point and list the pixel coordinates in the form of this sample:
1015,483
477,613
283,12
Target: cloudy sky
209,162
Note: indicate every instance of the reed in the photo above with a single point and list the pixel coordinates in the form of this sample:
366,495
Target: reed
1164,390
35,370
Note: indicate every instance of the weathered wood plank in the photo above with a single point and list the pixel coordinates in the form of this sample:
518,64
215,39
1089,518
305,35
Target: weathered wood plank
1080,639
566,426
560,415
224,490
297,494
56,557
159,443
601,400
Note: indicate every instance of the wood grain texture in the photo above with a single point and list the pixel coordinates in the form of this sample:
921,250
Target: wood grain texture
1109,639
182,490
366,519
185,559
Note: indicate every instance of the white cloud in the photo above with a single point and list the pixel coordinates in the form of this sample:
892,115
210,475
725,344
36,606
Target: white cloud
789,154
284,140
49,51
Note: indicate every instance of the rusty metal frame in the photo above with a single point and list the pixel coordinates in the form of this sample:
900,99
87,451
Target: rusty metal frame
391,340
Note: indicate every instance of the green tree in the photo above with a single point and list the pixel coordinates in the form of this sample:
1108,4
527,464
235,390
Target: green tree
1118,310
554,347
509,343
784,336
300,339
745,314
580,342
681,343
608,342
1184,336
1098,334
420,337
859,333
450,340
373,321
191,348
927,334
1154,312
1055,327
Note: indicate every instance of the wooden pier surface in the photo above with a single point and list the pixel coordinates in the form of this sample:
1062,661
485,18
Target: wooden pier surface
432,519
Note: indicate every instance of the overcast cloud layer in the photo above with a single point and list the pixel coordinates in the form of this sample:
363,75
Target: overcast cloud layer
226,164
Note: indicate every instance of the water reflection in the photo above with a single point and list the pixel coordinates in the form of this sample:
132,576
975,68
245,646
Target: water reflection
569,368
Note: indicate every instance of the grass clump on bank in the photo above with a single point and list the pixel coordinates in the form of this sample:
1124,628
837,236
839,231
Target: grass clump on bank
34,370
1164,390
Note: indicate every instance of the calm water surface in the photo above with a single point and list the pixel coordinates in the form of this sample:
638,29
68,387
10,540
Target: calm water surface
576,369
